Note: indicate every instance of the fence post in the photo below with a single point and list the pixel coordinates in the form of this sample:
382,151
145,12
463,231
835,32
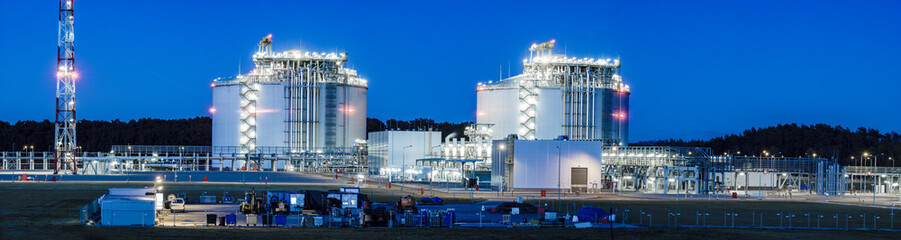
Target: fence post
846,222
791,216
808,219
780,219
733,219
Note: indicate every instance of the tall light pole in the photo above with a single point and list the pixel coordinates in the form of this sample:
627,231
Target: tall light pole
559,170
404,157
875,158
852,177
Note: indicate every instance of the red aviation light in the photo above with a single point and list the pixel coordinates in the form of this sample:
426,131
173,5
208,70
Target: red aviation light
212,110
620,115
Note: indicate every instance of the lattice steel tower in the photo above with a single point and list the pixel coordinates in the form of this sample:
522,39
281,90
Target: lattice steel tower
65,90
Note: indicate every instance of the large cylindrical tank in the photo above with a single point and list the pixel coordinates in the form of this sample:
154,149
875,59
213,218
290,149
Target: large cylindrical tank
613,113
500,107
343,115
270,115
622,107
549,117
498,104
225,113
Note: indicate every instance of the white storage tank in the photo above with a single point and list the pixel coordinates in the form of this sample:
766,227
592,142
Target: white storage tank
292,102
583,99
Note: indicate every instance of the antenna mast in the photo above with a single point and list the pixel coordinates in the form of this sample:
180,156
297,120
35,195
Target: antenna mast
66,149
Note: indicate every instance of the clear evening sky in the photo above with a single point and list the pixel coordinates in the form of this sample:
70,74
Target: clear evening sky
696,69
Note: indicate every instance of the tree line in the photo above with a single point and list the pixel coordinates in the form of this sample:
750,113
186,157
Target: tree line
836,143
419,124
99,136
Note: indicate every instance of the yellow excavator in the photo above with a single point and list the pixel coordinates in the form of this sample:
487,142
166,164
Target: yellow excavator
250,204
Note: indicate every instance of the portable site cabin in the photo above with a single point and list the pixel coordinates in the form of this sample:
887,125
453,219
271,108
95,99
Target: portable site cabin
306,200
350,197
128,207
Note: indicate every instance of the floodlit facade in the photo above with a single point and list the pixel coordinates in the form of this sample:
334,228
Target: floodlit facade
292,102
543,164
584,99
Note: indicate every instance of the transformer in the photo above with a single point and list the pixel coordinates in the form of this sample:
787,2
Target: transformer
581,99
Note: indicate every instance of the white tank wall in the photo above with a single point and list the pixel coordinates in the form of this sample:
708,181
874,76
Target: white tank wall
350,116
549,118
270,115
226,119
356,120
501,108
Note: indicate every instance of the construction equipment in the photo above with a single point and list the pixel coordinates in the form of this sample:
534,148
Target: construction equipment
277,202
278,206
406,203
251,203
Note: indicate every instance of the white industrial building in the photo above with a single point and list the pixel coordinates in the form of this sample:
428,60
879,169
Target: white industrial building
128,207
292,102
556,95
392,152
543,164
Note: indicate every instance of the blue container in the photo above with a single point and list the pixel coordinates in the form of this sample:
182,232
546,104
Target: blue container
231,219
449,218
281,219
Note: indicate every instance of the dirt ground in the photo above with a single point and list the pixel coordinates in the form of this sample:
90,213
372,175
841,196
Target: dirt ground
41,210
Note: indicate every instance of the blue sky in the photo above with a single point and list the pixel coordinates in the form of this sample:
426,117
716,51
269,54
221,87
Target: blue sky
697,69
